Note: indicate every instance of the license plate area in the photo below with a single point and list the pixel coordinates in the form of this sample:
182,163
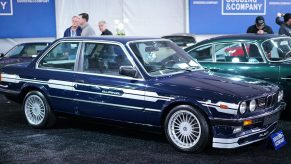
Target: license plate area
271,119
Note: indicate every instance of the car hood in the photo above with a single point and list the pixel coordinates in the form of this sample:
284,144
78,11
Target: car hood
6,60
209,84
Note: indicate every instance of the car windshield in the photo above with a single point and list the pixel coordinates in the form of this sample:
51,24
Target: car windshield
277,49
182,41
163,57
26,50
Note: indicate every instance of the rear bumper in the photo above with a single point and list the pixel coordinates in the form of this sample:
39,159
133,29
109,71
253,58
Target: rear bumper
248,135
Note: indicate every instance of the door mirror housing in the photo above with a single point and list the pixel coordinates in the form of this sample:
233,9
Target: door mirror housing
128,71
2,55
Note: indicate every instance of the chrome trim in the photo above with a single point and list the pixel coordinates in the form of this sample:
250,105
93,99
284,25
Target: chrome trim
101,103
152,110
278,109
286,78
233,142
80,55
3,86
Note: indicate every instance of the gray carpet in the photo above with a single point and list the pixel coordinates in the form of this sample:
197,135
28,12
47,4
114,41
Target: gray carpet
75,140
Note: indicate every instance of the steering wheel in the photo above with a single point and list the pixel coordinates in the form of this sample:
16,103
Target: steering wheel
288,54
166,63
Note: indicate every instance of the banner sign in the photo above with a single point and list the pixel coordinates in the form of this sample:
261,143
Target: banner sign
233,16
27,18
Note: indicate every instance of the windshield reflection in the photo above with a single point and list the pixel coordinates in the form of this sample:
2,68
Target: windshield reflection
277,49
163,57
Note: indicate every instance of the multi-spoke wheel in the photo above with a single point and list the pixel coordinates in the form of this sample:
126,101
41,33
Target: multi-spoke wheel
187,129
37,111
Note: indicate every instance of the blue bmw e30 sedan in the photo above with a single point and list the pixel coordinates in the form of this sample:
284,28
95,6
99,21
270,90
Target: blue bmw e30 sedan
145,81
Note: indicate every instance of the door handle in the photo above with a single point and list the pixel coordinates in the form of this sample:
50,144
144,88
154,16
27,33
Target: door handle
80,81
287,78
214,69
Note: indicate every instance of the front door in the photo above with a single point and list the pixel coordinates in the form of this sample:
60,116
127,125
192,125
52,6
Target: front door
101,91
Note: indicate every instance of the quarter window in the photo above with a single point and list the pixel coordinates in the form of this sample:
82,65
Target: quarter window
104,59
202,54
63,56
236,53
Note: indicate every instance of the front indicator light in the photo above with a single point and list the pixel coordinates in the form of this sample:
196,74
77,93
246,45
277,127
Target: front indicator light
223,106
248,122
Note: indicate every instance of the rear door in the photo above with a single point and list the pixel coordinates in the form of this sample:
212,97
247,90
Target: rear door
101,91
242,59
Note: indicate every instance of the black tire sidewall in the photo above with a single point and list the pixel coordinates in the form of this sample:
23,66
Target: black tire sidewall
47,109
205,130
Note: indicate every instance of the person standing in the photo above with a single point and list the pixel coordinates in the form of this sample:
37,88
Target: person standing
285,28
75,29
278,19
260,27
87,30
103,28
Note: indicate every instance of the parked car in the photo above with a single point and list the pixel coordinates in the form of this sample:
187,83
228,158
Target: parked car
24,52
144,81
266,57
183,40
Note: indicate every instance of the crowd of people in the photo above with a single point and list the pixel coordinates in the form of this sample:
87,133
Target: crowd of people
81,27
260,26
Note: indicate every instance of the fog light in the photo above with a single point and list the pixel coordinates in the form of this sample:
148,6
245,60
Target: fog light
248,122
237,129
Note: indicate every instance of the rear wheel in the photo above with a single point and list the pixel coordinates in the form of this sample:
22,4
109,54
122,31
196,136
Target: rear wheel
37,110
187,129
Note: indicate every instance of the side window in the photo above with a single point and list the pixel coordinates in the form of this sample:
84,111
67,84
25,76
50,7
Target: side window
63,56
254,55
104,59
203,54
230,52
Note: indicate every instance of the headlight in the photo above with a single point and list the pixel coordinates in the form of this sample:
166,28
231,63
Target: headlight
253,105
243,107
280,95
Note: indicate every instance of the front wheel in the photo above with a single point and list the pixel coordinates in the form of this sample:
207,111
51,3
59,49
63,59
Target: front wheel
187,129
37,110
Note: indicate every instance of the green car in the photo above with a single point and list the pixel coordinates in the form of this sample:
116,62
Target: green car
266,57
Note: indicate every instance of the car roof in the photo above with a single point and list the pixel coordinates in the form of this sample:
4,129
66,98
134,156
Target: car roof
32,43
121,39
180,34
245,37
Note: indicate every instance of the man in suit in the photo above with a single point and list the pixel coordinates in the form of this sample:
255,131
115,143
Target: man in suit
75,29
87,30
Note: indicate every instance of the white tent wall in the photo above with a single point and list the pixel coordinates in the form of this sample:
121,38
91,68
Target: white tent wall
146,18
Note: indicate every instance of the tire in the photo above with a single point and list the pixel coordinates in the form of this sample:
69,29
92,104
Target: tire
37,110
187,129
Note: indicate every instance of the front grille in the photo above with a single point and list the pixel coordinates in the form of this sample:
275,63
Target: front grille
267,101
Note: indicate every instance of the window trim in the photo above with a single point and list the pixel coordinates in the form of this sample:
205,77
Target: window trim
52,47
261,45
205,45
243,46
81,59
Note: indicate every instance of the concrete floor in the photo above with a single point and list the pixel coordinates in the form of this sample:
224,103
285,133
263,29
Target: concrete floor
75,140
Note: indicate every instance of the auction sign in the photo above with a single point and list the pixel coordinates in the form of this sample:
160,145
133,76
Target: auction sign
232,16
27,18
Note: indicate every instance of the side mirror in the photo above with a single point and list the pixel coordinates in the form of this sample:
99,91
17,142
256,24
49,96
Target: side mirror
128,71
2,55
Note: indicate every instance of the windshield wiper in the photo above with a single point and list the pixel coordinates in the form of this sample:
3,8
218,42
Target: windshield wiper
165,68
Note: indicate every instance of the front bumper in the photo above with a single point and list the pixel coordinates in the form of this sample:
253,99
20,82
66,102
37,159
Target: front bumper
225,137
